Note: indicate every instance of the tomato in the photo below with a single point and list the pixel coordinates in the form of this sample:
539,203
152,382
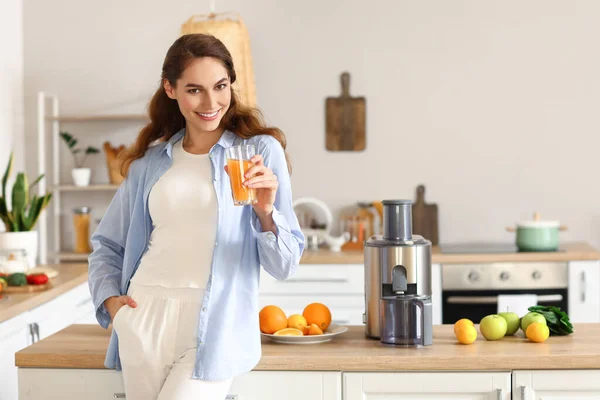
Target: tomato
37,279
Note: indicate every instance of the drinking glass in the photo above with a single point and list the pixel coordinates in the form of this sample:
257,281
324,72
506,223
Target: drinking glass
238,163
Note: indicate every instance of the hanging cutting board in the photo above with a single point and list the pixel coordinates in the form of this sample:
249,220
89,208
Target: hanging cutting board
345,120
425,217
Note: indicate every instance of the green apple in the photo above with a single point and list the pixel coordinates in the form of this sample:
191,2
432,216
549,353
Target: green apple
512,320
493,327
530,318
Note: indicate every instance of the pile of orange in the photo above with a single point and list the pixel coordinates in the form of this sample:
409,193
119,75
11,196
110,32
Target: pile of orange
315,320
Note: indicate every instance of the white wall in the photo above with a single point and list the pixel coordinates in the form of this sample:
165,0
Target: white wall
11,85
492,105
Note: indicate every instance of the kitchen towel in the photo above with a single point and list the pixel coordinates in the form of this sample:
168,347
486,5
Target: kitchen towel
517,303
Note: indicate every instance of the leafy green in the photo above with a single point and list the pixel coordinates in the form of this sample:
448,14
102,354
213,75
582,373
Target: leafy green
557,320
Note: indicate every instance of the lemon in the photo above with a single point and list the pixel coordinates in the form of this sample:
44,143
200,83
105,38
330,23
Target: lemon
296,321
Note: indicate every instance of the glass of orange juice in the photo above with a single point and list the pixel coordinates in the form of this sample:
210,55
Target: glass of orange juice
238,163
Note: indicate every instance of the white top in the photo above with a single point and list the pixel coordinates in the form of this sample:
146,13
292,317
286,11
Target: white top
183,208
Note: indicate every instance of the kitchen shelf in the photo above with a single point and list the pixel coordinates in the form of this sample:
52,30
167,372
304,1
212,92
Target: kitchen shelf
90,188
98,118
49,123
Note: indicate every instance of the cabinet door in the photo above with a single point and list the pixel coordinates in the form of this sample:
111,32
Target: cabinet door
61,384
317,279
584,291
288,385
556,385
14,336
427,385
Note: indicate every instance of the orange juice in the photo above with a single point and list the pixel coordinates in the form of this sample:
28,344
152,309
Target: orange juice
242,195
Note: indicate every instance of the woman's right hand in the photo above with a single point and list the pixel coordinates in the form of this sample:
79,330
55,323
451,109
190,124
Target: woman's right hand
114,303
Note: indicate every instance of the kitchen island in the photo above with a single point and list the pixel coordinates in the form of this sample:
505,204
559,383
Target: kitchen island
70,364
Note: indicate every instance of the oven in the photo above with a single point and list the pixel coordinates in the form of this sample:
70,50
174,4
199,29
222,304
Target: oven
472,290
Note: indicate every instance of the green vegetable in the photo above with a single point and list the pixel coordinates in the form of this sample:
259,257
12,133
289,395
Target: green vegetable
3,282
557,320
17,279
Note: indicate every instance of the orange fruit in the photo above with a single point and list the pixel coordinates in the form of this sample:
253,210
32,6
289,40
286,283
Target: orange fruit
296,321
537,332
461,323
314,330
465,333
306,329
289,332
319,314
272,319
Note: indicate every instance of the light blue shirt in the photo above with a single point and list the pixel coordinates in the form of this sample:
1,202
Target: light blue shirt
228,327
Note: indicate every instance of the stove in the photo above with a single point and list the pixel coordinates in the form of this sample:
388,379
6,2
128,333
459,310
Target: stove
481,248
474,290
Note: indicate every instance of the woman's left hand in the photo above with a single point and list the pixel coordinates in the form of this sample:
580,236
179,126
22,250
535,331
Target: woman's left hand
262,178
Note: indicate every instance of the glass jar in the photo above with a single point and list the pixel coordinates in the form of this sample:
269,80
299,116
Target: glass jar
81,225
13,260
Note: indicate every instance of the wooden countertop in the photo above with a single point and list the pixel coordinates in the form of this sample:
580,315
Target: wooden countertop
569,252
69,276
84,346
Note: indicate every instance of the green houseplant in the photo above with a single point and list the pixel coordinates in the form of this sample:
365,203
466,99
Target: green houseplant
81,175
24,212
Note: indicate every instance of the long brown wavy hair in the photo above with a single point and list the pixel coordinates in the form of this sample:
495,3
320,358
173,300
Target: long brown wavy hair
165,117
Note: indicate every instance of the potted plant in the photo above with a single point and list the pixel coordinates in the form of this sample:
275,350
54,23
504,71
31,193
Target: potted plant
81,175
24,212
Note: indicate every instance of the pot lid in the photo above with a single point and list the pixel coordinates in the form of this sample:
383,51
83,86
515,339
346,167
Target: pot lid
537,222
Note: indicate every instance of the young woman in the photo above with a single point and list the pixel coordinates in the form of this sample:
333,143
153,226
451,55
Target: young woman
175,264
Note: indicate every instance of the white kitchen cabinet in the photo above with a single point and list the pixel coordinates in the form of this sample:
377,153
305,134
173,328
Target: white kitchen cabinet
289,385
556,385
584,291
61,384
15,334
426,385
99,384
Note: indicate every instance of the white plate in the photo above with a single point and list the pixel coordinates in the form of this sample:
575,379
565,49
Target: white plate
332,331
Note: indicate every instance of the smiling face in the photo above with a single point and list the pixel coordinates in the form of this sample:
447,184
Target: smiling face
203,93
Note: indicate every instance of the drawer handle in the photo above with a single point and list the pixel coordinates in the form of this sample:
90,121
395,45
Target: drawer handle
340,321
499,394
493,299
231,397
315,280
119,396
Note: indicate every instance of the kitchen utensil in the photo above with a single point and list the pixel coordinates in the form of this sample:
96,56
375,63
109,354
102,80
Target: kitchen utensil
425,217
112,162
537,235
398,280
332,331
335,242
359,230
345,120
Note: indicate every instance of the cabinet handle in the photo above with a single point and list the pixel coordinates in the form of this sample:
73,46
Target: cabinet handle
583,288
523,392
119,396
36,330
499,394
494,299
340,321
231,397
31,333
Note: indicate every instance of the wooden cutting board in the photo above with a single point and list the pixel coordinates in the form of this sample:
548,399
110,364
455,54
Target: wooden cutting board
345,120
425,217
27,288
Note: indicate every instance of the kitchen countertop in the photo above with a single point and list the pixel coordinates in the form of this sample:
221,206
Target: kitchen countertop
69,276
84,346
568,252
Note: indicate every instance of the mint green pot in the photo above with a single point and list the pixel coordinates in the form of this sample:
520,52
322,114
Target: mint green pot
537,239
537,235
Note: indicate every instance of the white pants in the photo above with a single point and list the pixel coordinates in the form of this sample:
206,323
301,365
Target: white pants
157,346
